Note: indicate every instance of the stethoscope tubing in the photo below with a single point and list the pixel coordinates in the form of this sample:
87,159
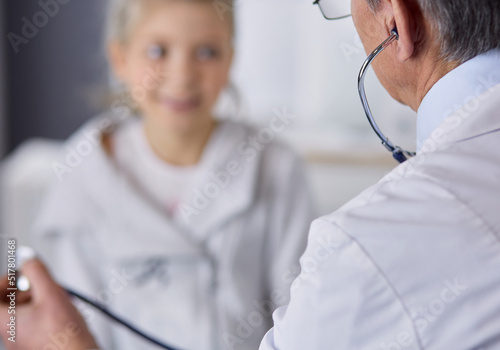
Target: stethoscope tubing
397,152
119,320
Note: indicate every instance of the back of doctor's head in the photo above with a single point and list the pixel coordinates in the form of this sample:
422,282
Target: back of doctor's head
124,14
467,28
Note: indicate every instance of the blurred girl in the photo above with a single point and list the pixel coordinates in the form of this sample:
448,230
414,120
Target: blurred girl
187,226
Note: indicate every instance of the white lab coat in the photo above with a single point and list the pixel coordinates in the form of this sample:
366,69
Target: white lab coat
208,283
414,261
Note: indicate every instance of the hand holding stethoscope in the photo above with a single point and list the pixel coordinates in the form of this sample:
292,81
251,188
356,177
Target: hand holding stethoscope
19,287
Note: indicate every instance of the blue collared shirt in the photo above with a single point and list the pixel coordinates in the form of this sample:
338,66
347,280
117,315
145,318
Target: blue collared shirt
456,89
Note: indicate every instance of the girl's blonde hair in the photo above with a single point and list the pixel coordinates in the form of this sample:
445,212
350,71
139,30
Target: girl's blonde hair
123,14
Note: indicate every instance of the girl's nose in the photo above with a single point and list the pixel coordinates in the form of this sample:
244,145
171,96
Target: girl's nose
181,71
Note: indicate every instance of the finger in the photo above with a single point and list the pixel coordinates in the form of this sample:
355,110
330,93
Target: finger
42,286
21,297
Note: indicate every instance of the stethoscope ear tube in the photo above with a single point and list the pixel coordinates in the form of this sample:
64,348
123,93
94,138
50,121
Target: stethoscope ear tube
397,152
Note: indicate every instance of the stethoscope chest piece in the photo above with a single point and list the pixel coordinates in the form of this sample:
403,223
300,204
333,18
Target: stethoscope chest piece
23,254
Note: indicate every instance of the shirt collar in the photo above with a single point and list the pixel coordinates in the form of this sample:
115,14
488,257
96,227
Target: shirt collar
455,89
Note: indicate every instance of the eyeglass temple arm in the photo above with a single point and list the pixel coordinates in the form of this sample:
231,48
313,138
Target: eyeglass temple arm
398,153
316,2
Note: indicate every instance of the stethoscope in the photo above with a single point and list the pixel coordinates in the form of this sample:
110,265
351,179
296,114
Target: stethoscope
24,253
398,153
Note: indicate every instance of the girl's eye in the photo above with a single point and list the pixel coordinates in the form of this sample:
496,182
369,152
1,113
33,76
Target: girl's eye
156,52
206,53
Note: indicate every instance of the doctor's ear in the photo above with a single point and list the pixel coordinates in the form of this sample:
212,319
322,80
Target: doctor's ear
407,19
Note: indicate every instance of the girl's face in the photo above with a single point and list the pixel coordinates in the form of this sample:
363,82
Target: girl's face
176,62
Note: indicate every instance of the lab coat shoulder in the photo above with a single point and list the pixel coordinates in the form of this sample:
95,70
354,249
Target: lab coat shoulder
68,207
278,171
350,293
369,276
292,210
342,298
282,189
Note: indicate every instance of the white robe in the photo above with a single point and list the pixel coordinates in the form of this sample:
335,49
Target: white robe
209,282
414,261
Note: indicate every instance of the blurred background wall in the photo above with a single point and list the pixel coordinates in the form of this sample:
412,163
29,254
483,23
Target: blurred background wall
288,56
55,67
3,131
3,125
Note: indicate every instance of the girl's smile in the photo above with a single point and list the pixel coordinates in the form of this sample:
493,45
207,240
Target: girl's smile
180,105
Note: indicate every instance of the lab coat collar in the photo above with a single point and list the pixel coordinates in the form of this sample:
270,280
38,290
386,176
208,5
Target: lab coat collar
456,89
480,116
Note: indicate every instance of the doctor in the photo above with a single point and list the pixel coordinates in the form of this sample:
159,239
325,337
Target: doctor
412,263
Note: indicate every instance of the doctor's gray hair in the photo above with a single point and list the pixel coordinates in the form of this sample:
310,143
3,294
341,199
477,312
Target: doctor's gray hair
123,15
467,28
